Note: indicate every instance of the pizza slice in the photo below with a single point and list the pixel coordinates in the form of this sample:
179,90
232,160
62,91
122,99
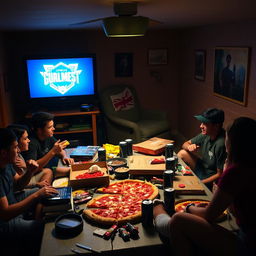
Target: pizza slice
102,216
105,201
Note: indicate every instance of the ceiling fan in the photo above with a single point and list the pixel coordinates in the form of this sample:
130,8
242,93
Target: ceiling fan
126,23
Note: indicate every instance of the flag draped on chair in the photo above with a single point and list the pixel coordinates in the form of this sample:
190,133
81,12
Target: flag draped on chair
123,100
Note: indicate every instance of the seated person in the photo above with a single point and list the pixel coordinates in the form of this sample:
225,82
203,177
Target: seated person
42,177
44,148
14,228
196,227
208,165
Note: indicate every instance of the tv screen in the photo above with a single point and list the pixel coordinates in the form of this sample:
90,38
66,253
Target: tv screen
61,77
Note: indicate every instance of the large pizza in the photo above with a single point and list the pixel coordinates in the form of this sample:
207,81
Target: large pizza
120,202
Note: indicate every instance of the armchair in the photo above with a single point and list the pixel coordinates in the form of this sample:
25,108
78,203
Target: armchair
126,119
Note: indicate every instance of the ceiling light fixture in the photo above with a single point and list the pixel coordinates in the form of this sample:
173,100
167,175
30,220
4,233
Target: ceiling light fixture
125,26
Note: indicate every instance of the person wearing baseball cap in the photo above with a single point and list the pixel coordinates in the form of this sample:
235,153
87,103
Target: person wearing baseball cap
206,153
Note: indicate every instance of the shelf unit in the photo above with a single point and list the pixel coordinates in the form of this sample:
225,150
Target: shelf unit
70,113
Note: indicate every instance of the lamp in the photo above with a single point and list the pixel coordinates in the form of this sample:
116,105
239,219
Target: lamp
125,26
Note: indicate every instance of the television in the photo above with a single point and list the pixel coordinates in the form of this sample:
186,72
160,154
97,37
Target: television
61,82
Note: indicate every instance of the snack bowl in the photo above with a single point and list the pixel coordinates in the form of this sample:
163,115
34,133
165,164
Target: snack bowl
117,162
121,173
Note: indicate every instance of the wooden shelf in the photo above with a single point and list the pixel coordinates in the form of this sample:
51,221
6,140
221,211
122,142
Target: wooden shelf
77,112
75,131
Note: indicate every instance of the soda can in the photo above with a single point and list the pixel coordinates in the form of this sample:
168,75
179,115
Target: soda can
170,164
147,213
168,150
129,147
123,149
101,154
169,200
168,178
176,161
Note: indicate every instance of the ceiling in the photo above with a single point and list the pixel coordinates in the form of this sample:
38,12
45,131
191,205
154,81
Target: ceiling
59,14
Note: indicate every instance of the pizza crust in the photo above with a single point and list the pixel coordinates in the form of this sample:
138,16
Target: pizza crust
98,219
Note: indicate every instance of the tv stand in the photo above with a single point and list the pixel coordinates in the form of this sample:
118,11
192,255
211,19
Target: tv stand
77,112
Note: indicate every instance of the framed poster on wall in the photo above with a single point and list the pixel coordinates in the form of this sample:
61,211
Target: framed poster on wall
231,73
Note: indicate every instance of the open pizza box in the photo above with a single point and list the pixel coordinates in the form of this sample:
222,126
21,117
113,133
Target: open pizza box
78,169
140,165
154,146
192,185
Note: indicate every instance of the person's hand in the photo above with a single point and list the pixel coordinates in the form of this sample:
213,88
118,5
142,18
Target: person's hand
59,146
193,147
32,166
68,161
47,191
42,183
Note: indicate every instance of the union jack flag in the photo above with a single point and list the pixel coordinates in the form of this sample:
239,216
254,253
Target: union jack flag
123,101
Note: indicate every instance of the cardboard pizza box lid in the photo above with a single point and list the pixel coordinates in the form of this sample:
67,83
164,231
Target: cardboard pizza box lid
192,184
153,146
140,165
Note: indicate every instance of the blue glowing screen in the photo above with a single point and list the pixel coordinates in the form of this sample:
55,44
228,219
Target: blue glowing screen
60,77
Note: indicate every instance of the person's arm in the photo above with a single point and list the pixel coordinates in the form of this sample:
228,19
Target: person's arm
65,159
57,149
189,146
219,203
21,181
19,165
7,212
213,177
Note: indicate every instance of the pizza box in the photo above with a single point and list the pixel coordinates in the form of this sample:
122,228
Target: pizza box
77,169
154,146
192,184
140,165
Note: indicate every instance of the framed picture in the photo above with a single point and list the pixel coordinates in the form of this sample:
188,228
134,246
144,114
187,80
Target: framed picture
123,64
231,73
200,56
157,56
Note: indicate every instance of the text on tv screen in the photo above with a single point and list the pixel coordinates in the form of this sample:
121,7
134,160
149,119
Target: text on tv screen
60,77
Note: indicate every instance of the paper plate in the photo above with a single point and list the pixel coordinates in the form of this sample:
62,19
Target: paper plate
61,182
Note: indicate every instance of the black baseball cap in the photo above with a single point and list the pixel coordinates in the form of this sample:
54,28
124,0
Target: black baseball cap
211,115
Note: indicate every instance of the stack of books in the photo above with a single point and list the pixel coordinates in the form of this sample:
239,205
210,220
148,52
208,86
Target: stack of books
84,153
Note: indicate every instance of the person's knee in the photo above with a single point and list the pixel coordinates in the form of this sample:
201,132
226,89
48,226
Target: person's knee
162,224
177,221
182,153
47,172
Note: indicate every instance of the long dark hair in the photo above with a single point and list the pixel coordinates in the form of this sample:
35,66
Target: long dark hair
242,139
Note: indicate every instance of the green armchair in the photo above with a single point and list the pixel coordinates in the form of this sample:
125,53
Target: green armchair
126,119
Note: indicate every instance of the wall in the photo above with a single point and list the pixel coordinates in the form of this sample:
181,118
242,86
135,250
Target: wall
194,95
152,93
5,106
